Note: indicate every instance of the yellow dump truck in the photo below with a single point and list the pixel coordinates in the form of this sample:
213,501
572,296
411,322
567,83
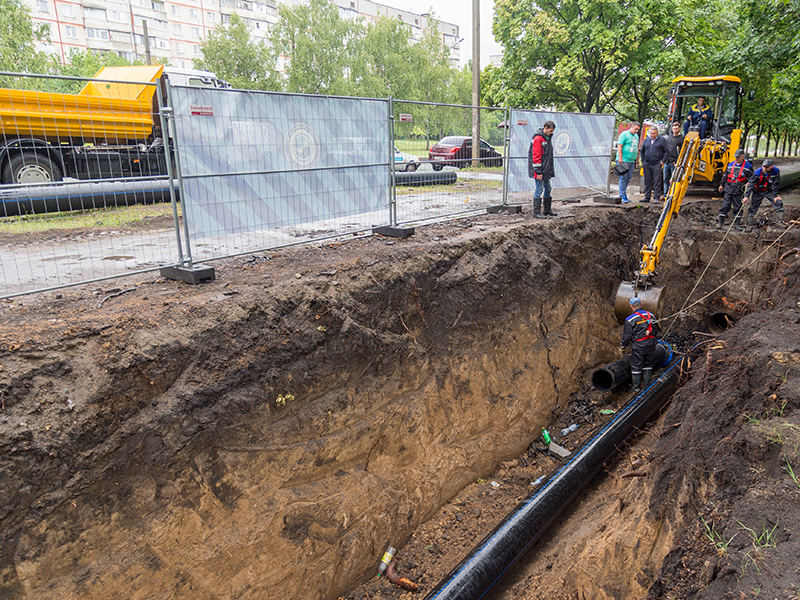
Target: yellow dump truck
111,128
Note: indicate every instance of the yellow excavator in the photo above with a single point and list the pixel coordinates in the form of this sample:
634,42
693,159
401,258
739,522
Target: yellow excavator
701,160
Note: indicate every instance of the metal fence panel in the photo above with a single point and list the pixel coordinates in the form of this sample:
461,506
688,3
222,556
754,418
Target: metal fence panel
260,169
85,195
582,146
434,142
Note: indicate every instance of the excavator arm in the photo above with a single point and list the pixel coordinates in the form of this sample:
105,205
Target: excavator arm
644,284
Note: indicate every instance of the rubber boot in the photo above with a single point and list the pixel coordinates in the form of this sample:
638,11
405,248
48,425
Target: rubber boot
720,221
636,381
779,218
646,375
751,222
737,223
537,209
548,212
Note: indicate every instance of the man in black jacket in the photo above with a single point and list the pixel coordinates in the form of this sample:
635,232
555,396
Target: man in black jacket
674,143
654,151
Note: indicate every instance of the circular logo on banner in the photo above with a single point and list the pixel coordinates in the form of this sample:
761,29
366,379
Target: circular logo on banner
562,143
302,146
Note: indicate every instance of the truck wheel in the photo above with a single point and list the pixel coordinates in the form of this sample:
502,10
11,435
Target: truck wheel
437,167
31,168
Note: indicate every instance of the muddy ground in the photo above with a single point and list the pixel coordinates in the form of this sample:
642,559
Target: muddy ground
268,434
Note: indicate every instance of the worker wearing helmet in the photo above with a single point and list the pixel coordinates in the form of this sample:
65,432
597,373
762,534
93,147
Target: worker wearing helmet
640,331
736,175
765,182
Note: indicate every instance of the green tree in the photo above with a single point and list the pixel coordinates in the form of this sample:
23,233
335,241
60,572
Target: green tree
232,55
387,62
319,48
577,54
18,38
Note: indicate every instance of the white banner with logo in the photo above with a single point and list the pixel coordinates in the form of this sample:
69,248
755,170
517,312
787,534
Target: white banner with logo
252,161
582,146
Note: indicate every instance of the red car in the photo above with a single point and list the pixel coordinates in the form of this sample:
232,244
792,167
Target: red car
456,151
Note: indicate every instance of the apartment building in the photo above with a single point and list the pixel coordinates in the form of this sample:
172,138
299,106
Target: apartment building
177,28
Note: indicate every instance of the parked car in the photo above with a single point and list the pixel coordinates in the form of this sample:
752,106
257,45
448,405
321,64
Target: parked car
456,151
405,162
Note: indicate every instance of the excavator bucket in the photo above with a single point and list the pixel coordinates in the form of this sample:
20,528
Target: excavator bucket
652,299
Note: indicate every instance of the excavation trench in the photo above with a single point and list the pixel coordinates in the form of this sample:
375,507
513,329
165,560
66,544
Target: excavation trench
237,442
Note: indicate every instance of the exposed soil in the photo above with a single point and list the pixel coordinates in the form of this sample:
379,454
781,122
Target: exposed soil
268,434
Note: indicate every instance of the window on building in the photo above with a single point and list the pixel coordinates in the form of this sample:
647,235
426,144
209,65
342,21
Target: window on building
225,18
210,17
196,32
117,16
224,2
176,10
194,14
179,47
244,4
94,13
272,11
70,31
126,55
42,6
97,34
66,10
162,43
157,5
177,29
197,50
260,8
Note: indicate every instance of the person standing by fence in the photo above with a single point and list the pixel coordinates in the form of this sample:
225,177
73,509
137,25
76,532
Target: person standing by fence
627,153
654,151
674,144
541,169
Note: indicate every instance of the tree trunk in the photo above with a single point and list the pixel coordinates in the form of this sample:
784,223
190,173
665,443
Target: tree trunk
783,145
758,140
769,141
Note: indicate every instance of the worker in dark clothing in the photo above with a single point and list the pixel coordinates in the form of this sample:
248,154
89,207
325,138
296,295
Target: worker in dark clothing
674,144
764,183
540,168
700,116
654,151
736,175
640,331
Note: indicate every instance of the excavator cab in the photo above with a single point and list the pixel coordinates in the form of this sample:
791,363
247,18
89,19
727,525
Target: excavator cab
723,95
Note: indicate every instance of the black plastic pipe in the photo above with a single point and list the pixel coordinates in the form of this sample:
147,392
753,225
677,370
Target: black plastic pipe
40,199
719,322
610,377
474,576
425,177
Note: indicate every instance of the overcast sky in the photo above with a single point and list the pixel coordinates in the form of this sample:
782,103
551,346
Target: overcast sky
459,12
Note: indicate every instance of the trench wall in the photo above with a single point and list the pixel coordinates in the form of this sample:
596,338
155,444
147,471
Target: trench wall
182,475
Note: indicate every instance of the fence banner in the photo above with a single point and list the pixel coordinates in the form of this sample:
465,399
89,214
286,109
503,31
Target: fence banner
581,148
252,161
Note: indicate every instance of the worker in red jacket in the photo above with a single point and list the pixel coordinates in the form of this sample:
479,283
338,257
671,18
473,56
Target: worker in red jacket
640,332
764,183
540,168
736,175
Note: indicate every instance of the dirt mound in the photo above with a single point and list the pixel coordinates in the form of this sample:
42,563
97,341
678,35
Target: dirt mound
268,434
